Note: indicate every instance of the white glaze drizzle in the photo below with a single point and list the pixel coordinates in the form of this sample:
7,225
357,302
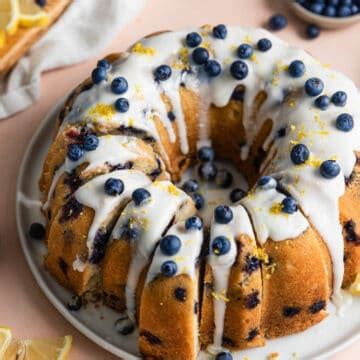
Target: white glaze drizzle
221,266
152,218
92,195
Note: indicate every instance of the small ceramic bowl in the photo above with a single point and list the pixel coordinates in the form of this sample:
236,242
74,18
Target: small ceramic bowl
324,22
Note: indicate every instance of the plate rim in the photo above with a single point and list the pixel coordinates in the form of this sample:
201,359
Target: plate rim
41,282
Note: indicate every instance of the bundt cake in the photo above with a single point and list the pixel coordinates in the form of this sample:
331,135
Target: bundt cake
119,225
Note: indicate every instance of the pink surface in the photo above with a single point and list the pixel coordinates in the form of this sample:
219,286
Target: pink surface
22,304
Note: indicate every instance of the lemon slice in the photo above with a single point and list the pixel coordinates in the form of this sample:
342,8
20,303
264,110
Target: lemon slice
5,340
16,350
56,349
32,14
9,18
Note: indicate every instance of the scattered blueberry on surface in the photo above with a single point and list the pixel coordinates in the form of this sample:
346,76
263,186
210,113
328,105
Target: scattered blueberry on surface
162,73
212,68
244,51
104,63
193,39
113,186
322,102
312,31
224,178
171,116
220,245
207,171
98,74
224,356
75,152
169,268
190,186
314,86
170,245
267,182
264,44
206,153
237,194
75,303
200,56
339,98
299,154
296,69
122,105
41,3
124,326
223,214
289,205
239,70
140,195
91,142
119,85
193,223
198,200
277,22
329,169
220,31
37,231
345,122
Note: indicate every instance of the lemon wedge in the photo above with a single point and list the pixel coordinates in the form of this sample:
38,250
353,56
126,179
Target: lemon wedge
9,18
32,14
16,350
5,340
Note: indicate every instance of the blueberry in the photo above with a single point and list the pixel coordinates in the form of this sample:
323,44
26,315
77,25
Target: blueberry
296,69
239,70
317,8
37,231
130,232
140,195
345,122
333,2
312,31
238,95
41,3
170,245
277,22
75,303
206,153
343,11
169,268
124,326
104,63
193,39
75,152
339,98
207,171
220,245
113,186
90,142
223,214
200,56
190,186
289,205
224,356
98,74
244,51
122,105
198,200
237,194
212,68
329,169
354,9
322,102
267,182
220,31
194,223
346,2
224,178
314,86
299,154
171,116
119,85
264,45
162,73
330,11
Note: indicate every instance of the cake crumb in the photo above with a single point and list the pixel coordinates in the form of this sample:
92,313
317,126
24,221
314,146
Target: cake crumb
273,356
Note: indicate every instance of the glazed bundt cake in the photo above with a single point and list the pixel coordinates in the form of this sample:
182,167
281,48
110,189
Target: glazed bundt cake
264,267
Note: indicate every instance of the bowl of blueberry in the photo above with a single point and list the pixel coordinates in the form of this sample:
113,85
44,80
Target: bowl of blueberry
329,14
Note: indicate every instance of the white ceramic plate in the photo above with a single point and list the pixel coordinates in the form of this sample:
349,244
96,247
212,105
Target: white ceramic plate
322,340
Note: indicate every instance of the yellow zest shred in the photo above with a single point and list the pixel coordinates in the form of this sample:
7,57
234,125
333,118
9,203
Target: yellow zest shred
173,190
292,103
276,208
220,296
140,49
102,109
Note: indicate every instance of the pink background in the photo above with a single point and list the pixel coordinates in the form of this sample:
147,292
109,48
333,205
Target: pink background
22,304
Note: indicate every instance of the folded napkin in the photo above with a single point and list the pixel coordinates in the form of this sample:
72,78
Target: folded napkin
85,29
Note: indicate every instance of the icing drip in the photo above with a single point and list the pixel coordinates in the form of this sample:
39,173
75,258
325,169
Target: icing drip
221,266
151,218
92,195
